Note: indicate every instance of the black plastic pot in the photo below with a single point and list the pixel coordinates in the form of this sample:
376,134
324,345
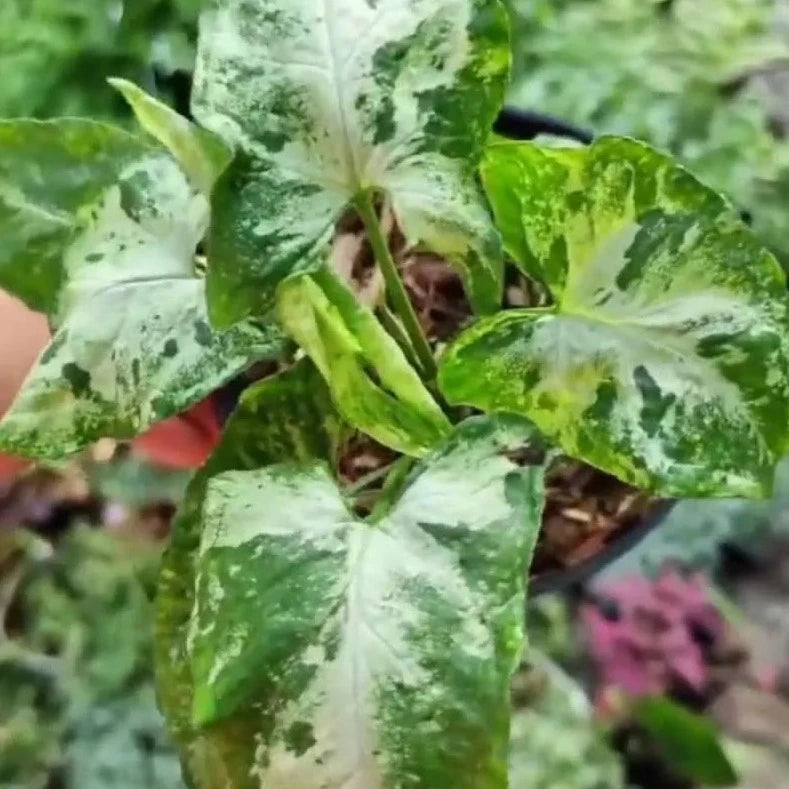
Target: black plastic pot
526,125
563,580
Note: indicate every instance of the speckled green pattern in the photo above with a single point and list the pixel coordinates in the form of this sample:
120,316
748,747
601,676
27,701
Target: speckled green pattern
664,360
201,154
288,417
327,98
372,384
371,655
43,196
115,224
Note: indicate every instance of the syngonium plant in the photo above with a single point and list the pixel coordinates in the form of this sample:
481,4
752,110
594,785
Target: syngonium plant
301,644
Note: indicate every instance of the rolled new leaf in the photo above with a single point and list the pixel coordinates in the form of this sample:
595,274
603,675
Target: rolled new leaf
328,651
325,101
99,231
372,383
201,154
665,357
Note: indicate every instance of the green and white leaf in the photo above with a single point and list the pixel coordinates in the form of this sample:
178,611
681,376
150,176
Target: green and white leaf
100,230
664,359
285,418
201,154
372,383
325,100
370,654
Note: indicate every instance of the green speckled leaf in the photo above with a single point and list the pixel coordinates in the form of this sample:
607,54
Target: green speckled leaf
324,99
114,223
664,359
201,154
45,188
370,654
372,384
288,417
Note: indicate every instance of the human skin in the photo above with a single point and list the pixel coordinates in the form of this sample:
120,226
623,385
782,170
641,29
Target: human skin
185,441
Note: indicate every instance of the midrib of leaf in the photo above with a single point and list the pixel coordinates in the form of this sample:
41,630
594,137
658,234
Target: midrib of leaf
132,283
337,82
680,350
357,618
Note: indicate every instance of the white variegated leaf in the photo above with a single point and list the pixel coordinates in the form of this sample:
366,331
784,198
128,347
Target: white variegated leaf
287,417
665,358
326,100
118,223
365,654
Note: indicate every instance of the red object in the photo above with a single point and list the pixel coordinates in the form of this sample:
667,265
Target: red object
185,441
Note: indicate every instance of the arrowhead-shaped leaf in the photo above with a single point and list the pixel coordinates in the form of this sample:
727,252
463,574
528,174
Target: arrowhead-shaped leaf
288,417
372,384
327,100
367,654
665,357
100,229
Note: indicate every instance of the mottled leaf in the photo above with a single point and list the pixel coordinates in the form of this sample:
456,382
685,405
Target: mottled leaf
46,186
113,224
372,384
288,417
664,357
369,654
327,99
201,154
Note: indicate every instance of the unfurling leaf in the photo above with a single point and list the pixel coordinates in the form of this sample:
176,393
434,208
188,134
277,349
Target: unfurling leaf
358,653
372,384
665,358
288,417
325,101
201,154
99,230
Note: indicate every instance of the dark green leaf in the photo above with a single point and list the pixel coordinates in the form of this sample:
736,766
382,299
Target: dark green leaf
689,742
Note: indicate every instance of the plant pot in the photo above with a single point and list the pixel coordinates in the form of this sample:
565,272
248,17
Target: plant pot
561,580
517,124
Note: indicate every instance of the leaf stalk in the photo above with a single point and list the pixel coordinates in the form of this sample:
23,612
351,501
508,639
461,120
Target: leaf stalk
398,296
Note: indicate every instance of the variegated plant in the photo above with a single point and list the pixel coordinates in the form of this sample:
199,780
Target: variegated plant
300,643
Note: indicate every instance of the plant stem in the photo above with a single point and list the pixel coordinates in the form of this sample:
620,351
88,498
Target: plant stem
394,285
395,328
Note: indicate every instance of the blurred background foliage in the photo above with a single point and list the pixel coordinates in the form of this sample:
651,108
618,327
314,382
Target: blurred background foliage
699,78
77,704
55,55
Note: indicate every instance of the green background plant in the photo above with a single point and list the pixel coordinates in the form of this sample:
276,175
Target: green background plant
675,74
